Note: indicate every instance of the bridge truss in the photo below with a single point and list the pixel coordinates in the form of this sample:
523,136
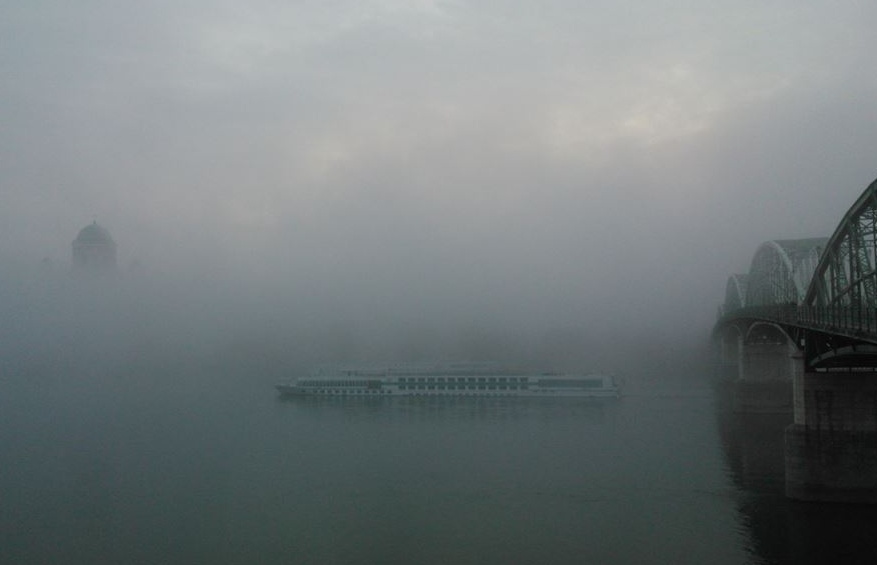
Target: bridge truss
781,271
821,292
845,275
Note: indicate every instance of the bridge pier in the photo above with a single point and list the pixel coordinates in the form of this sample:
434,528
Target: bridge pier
831,448
728,355
765,382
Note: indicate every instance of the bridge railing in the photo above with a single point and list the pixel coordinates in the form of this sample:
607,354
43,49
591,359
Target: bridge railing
854,321
850,319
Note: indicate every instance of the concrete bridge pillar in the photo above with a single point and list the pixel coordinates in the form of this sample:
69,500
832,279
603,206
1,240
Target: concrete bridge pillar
831,448
730,348
765,383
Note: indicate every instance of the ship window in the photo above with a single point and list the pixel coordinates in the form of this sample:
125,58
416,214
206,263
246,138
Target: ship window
578,383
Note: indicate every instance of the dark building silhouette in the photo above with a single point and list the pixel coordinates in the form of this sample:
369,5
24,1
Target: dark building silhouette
94,249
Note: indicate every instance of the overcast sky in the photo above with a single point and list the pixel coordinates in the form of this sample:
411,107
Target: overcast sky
555,161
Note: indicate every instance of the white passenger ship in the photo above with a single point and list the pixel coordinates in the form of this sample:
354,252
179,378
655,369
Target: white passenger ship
449,380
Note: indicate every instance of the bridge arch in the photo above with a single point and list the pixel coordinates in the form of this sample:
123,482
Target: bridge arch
781,271
735,293
730,342
845,274
768,333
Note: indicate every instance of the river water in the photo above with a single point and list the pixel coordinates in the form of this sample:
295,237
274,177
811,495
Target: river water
194,464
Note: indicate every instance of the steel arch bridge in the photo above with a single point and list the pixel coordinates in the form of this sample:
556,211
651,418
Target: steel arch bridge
845,275
820,292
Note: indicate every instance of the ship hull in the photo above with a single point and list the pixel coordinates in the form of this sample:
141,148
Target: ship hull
353,383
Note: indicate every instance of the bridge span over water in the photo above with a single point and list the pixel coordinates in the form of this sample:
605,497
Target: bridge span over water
798,332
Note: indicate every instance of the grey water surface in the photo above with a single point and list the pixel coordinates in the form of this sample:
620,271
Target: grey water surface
203,465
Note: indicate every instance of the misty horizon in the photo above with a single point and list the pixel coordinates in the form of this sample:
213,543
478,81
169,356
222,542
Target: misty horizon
433,165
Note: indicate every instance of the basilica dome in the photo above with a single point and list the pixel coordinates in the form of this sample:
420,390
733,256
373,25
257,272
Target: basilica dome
94,233
94,249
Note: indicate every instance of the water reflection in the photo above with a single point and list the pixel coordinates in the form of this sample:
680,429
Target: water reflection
781,530
583,411
228,473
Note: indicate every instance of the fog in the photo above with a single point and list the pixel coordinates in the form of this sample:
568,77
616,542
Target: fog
555,185
416,180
